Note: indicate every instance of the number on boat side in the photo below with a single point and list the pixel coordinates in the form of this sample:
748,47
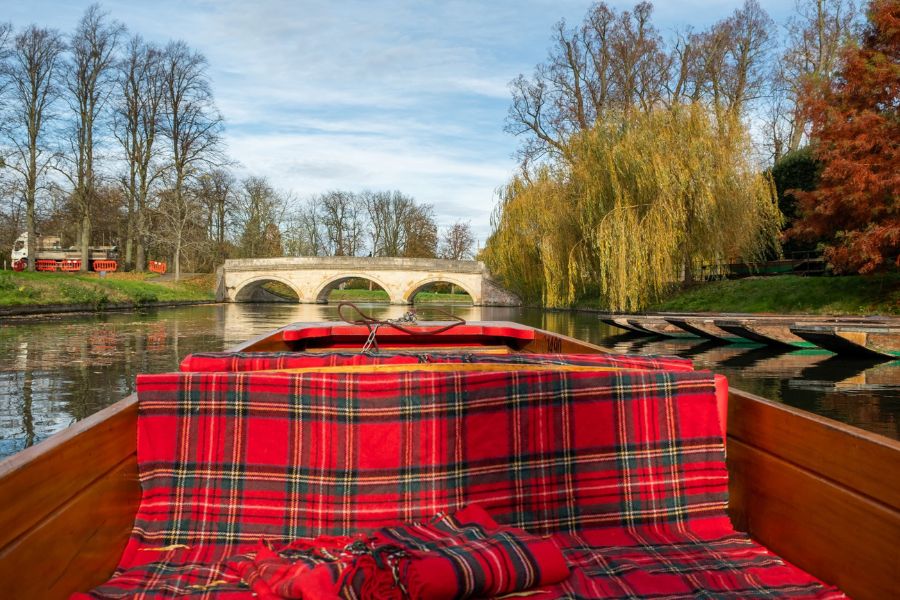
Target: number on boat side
554,345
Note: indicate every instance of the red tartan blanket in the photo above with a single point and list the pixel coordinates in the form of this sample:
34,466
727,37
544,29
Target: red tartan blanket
624,468
463,555
267,361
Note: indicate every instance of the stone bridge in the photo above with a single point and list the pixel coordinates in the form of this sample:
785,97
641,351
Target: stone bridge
313,278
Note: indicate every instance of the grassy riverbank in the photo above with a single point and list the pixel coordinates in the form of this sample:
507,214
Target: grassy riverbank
64,289
851,295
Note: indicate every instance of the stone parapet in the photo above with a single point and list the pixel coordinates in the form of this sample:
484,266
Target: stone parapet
313,278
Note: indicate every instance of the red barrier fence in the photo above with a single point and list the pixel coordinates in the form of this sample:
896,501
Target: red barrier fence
45,265
104,265
157,267
70,265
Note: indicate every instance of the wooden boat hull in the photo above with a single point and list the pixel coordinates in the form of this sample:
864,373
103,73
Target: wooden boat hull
761,332
866,341
624,325
704,328
659,328
835,514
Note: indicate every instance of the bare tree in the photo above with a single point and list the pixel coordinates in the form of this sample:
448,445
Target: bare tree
217,194
421,233
90,80
611,62
31,69
458,241
733,61
177,224
816,33
261,210
304,235
640,66
192,125
5,52
388,213
136,127
341,215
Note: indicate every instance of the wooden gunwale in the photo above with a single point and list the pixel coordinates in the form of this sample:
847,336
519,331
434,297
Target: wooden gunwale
835,513
79,483
823,495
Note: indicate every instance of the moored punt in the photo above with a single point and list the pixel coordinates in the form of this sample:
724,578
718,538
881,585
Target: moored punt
856,340
624,324
659,327
769,332
705,328
823,495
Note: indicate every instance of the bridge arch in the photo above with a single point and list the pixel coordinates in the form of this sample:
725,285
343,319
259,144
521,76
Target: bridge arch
322,292
248,288
420,285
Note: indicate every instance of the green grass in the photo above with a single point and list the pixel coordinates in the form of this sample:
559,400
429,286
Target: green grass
850,295
359,296
355,295
442,298
41,289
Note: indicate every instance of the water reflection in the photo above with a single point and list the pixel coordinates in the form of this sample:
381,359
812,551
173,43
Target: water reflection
55,371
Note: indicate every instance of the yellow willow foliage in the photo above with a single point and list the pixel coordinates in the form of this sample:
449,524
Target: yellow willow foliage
640,202
522,255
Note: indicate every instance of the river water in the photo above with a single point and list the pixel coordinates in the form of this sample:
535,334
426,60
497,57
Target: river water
57,370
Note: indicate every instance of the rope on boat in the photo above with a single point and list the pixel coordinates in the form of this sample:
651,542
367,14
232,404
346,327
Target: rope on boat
410,318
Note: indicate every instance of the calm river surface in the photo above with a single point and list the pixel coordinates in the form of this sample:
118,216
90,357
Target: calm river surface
57,370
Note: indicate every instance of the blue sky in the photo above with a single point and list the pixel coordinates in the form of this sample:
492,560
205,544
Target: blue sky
408,95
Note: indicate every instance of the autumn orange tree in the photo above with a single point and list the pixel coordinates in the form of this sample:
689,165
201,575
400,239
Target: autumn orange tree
856,130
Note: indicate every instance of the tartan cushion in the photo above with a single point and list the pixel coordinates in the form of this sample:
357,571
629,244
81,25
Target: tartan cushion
226,459
462,555
269,361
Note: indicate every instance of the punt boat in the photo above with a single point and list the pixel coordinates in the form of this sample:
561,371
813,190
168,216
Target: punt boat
855,339
823,495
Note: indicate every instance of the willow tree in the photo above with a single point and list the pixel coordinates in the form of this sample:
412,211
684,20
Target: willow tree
520,249
641,202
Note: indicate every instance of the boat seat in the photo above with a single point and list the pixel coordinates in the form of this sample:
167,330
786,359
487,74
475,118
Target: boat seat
280,361
267,361
625,469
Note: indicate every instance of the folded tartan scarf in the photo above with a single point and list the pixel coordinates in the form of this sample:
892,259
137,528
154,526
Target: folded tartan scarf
463,555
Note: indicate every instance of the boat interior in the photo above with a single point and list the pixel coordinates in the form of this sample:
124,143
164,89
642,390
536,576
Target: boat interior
815,503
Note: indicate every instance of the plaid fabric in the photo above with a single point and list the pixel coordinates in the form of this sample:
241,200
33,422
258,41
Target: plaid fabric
210,362
463,555
227,459
213,362
644,562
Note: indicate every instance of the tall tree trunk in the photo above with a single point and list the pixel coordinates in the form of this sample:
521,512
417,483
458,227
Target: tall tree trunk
30,228
30,193
140,261
796,132
85,240
178,256
129,231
